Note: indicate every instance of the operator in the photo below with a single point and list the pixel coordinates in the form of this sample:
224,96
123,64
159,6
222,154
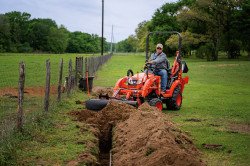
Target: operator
160,63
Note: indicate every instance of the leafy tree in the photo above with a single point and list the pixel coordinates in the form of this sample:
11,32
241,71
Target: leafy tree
241,24
75,42
127,45
211,18
4,33
85,43
141,34
96,42
58,39
38,33
164,19
190,41
18,29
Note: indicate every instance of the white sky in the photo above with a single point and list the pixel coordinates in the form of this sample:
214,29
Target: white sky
85,15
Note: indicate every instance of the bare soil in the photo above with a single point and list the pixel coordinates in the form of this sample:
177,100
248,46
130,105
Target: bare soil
97,90
240,128
143,136
32,91
149,138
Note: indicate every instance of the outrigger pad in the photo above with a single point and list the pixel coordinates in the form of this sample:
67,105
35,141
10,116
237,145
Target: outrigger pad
96,104
99,104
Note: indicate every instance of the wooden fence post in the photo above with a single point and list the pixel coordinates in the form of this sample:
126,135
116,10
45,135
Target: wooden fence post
81,67
76,70
69,84
59,89
47,88
20,95
86,66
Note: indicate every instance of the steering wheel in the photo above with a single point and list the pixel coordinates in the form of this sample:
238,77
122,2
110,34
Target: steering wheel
149,66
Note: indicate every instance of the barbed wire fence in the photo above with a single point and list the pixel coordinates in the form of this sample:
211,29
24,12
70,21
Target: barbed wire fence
20,104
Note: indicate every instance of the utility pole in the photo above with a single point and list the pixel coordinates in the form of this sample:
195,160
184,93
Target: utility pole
102,25
111,47
114,43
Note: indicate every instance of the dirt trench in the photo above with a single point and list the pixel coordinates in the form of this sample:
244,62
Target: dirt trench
143,136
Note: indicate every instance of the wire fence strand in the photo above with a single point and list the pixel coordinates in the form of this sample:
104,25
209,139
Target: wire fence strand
35,90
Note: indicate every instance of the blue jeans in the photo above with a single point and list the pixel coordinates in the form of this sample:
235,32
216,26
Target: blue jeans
164,78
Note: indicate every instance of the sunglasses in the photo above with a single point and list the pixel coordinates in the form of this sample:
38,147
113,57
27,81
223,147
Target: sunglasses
159,48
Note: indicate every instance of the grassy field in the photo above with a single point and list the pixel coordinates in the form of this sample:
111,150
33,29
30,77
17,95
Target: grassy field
34,76
47,138
35,67
215,108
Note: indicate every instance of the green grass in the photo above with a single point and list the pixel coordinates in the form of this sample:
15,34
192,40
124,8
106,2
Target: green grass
48,138
117,68
218,94
34,67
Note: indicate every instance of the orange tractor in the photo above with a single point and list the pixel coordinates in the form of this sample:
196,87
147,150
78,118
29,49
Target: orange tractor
146,86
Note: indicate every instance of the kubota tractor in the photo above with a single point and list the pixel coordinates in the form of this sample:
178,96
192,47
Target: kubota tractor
146,86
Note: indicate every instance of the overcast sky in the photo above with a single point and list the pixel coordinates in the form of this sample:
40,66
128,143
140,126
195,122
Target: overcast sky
85,15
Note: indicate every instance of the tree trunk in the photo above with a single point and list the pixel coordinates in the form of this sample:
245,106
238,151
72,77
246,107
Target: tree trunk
248,53
215,50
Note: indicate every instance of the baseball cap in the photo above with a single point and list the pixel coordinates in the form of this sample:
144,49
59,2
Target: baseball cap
159,45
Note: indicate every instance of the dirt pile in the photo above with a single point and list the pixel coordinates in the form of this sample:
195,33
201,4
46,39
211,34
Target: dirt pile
149,138
142,136
96,91
114,112
102,123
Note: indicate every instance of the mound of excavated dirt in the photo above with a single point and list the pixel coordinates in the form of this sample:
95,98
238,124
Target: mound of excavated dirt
149,138
143,136
102,123
114,112
96,91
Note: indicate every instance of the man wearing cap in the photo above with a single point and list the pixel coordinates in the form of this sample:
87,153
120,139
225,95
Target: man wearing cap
160,62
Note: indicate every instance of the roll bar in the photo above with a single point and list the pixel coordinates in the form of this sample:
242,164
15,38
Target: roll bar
163,32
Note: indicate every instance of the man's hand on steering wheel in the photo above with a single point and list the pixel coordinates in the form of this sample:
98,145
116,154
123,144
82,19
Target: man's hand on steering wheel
149,62
148,65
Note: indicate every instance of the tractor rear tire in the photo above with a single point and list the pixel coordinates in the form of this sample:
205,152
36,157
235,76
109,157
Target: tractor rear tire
96,104
175,102
155,102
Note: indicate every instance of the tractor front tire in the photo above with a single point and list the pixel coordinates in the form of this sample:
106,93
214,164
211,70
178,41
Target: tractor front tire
175,102
155,102
96,104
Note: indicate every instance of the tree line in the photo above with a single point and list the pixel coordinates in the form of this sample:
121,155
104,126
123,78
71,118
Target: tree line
207,27
20,33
